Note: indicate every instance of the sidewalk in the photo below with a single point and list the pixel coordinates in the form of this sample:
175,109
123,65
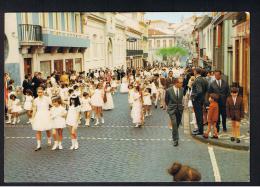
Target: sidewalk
224,138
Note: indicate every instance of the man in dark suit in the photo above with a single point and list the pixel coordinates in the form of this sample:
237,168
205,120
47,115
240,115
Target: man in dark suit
174,103
169,80
27,84
199,90
35,84
220,87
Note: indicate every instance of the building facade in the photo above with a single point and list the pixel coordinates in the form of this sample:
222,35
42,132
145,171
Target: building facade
47,42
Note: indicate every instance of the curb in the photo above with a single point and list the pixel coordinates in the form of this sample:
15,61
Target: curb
221,144
218,143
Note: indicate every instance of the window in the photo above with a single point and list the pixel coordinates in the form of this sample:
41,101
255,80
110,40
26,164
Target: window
77,23
158,43
170,43
67,21
164,43
45,68
78,64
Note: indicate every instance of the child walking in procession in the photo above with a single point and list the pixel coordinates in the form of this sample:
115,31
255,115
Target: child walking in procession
213,113
235,111
147,102
86,107
28,104
58,114
41,118
136,112
15,108
72,120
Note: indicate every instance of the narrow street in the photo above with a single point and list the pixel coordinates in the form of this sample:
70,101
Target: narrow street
118,152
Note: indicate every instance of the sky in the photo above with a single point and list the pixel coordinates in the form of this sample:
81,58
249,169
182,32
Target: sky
171,17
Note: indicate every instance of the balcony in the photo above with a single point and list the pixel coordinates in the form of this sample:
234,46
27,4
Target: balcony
134,52
58,38
30,35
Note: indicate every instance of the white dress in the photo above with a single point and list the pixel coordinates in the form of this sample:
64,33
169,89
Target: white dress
72,117
42,120
109,104
28,102
97,98
16,107
153,88
57,114
147,99
136,112
130,96
85,104
124,85
114,84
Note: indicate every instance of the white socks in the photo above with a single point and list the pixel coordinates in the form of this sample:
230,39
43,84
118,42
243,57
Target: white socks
97,122
60,145
75,144
55,145
38,144
87,122
102,120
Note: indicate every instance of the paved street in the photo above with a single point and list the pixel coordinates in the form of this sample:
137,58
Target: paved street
118,152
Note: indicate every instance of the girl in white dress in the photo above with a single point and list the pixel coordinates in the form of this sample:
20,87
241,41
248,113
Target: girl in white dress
86,107
114,85
58,114
92,89
109,104
124,85
147,102
28,104
41,117
97,101
130,95
15,108
72,120
136,112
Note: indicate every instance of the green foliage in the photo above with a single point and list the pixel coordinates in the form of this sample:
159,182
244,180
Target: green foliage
172,52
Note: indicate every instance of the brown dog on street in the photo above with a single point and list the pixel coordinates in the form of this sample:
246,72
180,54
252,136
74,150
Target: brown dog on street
183,173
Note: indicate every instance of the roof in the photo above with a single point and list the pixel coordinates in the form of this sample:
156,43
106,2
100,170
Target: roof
155,32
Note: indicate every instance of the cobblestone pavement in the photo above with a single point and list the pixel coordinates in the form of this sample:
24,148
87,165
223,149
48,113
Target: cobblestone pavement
117,152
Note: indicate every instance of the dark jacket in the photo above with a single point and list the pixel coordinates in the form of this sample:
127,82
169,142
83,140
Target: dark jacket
172,102
235,112
222,91
27,85
169,82
199,89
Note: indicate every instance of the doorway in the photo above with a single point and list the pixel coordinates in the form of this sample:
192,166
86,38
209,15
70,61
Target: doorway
27,66
58,65
69,65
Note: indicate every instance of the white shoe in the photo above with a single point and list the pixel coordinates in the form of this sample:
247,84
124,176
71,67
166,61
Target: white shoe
146,115
137,125
55,146
87,122
8,121
76,145
18,120
60,146
14,122
28,122
96,123
102,120
72,147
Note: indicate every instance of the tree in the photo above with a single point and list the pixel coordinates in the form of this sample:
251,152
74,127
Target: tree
172,52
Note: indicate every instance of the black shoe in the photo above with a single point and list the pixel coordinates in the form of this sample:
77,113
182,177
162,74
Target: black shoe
38,149
232,139
224,130
175,144
238,141
214,137
155,106
195,131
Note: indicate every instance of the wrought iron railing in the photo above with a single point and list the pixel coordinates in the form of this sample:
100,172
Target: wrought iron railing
134,52
30,33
